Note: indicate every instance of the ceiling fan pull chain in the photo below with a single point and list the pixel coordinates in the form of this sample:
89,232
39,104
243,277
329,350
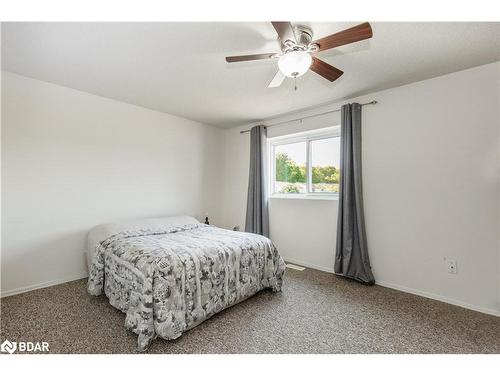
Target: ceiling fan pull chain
295,82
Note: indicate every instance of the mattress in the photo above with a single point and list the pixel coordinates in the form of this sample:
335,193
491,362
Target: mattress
104,231
168,277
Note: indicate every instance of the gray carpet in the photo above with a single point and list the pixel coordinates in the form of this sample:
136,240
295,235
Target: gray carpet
316,313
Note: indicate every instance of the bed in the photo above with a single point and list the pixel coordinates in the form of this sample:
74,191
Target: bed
170,274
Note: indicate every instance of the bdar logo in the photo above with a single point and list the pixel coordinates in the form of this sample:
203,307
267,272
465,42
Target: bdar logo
8,347
24,346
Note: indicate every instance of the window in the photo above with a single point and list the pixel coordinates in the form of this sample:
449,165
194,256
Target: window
290,168
305,165
325,154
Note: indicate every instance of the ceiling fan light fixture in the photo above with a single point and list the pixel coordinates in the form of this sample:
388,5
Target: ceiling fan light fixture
294,63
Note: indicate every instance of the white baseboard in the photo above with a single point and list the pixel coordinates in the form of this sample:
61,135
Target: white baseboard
46,284
385,284
308,265
438,297
417,292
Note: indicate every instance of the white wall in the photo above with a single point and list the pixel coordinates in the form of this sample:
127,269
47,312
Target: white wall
72,160
304,230
431,189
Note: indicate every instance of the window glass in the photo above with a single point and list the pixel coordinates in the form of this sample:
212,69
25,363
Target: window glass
325,154
290,168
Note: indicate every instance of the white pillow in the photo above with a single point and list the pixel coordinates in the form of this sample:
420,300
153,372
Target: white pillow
103,231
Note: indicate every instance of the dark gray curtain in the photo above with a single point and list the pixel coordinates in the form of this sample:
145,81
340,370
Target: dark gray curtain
351,259
257,220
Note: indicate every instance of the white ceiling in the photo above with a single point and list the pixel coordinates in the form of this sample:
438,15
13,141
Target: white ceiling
179,68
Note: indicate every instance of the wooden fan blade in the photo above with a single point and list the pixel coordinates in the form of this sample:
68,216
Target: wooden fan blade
277,80
260,56
285,31
325,70
354,34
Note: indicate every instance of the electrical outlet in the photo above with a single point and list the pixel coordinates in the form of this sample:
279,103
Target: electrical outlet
451,266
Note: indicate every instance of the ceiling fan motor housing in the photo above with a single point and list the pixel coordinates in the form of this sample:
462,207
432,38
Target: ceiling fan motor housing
303,35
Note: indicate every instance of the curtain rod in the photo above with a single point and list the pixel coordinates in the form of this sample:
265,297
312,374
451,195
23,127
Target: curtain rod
303,118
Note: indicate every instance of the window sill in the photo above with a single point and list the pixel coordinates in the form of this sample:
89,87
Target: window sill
315,197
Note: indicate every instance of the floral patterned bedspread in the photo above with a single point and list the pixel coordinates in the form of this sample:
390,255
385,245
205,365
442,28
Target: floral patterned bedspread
168,281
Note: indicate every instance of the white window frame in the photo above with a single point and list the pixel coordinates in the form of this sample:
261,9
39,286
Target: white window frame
307,137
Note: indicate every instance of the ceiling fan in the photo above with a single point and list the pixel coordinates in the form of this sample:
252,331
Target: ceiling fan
297,48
